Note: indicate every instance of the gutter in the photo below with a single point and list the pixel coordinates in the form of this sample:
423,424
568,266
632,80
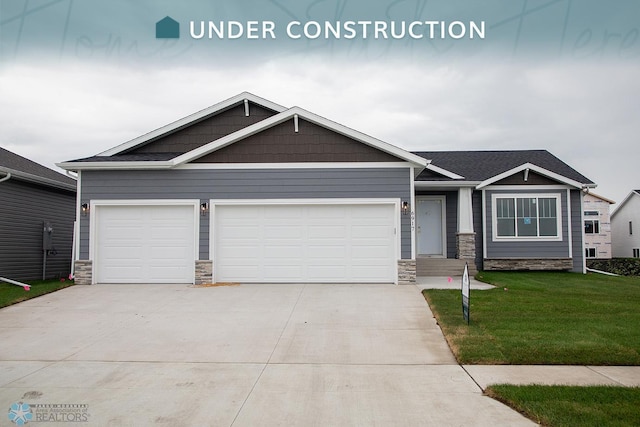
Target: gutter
12,173
591,270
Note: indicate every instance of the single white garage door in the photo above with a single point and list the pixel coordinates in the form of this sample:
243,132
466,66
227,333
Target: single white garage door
305,243
145,244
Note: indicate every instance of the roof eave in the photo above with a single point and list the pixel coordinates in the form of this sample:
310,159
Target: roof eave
542,171
80,166
24,176
223,105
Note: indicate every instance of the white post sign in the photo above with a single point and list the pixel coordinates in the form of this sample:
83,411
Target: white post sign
466,287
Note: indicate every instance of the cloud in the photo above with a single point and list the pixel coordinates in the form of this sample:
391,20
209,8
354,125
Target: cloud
583,112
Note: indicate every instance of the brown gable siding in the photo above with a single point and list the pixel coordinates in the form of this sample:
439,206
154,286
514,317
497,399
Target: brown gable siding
312,143
534,179
205,131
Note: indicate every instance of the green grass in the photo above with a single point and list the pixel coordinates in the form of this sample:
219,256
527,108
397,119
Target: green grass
544,318
12,294
560,406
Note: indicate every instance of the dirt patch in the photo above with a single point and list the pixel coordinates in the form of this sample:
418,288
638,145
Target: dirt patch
214,285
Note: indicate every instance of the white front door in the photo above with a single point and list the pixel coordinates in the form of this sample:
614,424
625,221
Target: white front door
430,213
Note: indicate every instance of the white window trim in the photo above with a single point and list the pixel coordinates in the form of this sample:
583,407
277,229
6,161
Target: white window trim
494,217
595,251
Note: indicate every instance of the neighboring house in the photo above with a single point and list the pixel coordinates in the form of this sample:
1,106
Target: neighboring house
37,212
597,226
250,191
625,226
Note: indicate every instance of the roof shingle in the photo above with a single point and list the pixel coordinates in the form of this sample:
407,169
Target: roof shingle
482,165
13,162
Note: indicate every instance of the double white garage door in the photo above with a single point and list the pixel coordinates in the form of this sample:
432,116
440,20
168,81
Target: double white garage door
278,243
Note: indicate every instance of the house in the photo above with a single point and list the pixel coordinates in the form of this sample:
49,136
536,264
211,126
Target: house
250,191
37,212
167,28
625,227
597,226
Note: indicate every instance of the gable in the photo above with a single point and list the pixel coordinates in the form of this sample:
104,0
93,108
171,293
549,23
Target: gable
532,179
202,132
312,143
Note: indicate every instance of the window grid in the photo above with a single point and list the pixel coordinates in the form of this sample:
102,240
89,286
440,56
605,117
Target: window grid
533,216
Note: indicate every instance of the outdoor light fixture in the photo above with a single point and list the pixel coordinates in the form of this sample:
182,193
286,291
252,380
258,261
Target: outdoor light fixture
204,208
84,208
405,208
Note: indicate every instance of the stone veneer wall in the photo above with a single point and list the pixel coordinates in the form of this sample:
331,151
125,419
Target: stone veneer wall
82,272
204,272
528,264
407,272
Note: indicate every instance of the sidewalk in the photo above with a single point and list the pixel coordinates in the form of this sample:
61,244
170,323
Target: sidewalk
621,376
486,375
452,282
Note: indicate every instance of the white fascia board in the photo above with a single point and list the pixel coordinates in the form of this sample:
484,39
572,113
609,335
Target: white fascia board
37,179
78,166
422,185
310,165
626,199
537,169
238,99
443,172
306,115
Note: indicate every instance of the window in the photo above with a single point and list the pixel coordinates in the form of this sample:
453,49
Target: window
590,252
591,226
527,217
636,252
630,227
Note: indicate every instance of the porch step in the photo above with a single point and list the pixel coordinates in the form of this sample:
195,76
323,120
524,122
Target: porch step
443,267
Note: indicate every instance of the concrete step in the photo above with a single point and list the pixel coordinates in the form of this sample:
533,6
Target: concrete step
443,267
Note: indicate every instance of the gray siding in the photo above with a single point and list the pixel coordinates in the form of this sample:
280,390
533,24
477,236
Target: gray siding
528,249
476,200
246,184
577,229
24,207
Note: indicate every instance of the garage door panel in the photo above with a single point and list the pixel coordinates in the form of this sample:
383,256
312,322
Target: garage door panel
305,243
145,244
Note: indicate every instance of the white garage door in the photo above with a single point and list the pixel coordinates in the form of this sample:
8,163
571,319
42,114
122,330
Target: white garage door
145,244
305,243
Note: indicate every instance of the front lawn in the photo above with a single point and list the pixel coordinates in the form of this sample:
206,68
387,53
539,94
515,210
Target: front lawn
12,294
544,318
561,406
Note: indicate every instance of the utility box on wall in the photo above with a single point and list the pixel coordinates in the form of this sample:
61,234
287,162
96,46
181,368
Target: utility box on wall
47,236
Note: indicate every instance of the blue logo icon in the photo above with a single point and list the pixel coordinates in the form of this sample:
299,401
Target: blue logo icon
167,28
20,413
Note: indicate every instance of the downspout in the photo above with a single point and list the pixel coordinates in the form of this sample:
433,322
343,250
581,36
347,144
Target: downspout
6,178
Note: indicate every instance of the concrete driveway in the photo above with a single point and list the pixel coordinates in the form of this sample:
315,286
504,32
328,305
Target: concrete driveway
248,355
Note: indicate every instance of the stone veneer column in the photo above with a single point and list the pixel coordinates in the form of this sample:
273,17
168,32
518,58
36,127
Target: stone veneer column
82,274
204,272
466,246
407,272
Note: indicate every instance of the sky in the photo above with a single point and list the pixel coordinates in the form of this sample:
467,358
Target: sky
77,78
